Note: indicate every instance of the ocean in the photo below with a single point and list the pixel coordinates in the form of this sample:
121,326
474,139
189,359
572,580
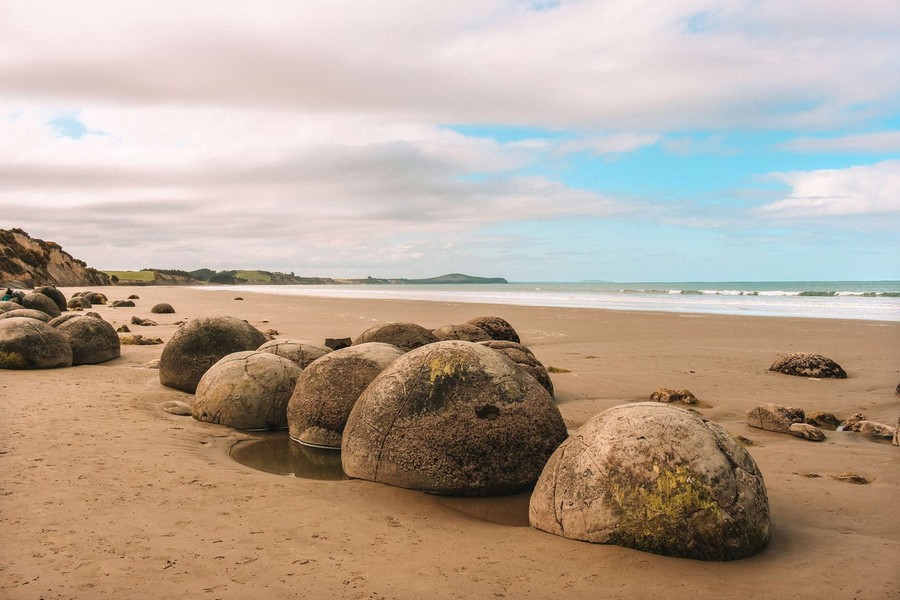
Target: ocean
873,300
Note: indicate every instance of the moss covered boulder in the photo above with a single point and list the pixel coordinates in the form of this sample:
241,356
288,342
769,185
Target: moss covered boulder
301,352
655,478
496,328
406,336
329,387
31,344
199,344
93,340
452,418
246,390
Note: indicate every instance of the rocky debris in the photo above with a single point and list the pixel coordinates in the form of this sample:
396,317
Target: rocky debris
135,320
199,344
31,344
93,340
525,359
453,418
54,294
246,390
176,407
270,333
808,365
668,396
406,336
162,308
329,387
152,364
122,304
27,262
496,328
300,352
42,303
871,429
26,313
655,478
782,419
463,331
123,329
338,343
850,477
137,339
823,420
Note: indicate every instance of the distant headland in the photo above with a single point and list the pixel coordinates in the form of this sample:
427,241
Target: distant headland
27,262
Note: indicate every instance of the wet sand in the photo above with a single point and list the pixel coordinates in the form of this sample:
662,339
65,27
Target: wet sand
104,495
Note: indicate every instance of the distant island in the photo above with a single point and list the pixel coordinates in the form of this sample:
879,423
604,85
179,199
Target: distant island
27,262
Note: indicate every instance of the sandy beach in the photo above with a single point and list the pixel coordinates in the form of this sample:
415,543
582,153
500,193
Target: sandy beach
104,495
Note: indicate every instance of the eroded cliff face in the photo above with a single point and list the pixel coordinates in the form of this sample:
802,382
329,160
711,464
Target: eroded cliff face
27,262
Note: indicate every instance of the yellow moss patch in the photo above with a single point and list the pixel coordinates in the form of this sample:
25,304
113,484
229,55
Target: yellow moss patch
12,360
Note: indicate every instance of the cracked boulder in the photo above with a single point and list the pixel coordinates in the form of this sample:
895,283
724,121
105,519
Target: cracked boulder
198,345
808,365
453,418
526,360
246,390
783,419
329,387
496,328
93,340
463,331
406,336
301,352
27,313
654,478
31,344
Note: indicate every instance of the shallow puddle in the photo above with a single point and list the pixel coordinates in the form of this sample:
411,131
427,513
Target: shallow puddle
277,453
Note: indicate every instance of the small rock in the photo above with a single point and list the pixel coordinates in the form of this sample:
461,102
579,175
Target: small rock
338,343
139,340
238,298
134,297
153,364
122,304
850,477
667,395
176,407
162,308
871,429
783,419
143,322
823,420
123,329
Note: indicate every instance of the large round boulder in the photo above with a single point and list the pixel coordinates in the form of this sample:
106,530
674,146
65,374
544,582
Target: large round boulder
463,331
452,418
802,364
496,328
301,352
199,344
526,360
31,344
162,308
93,340
7,305
78,302
42,303
54,294
656,478
406,336
28,313
246,390
329,387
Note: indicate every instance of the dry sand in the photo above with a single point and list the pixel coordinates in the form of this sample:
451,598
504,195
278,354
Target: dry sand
104,495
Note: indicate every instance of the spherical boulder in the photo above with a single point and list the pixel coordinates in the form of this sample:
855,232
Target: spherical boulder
78,303
92,297
42,303
93,340
28,313
31,344
329,387
526,360
301,352
655,478
199,344
406,336
54,294
246,390
496,328
452,418
463,331
802,364
7,305
162,308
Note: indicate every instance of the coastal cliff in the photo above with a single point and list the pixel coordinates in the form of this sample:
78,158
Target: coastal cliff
27,262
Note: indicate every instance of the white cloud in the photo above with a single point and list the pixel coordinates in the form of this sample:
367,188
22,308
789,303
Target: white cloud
617,143
863,190
879,142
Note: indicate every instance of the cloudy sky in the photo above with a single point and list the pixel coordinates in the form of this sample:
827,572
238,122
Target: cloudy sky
562,140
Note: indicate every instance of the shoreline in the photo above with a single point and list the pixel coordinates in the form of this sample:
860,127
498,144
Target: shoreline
103,492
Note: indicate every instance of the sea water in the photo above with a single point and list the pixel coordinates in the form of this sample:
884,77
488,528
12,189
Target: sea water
873,300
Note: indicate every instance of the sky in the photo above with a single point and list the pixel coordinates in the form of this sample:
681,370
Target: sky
625,140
